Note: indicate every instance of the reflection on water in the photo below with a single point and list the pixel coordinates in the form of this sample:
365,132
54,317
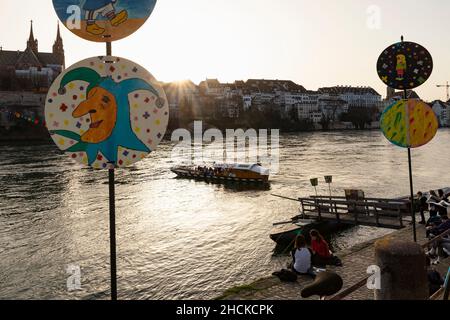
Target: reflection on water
179,238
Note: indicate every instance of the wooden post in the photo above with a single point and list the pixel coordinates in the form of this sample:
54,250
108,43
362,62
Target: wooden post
377,218
405,276
318,209
356,212
303,208
338,217
400,216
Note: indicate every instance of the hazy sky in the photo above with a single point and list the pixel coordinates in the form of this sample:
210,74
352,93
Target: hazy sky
314,43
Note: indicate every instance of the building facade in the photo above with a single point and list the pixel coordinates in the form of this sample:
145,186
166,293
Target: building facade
442,111
25,78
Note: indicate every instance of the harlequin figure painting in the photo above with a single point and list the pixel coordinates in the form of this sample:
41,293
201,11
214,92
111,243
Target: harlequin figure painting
103,113
103,20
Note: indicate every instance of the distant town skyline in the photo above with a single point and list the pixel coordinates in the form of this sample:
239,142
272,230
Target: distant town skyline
319,44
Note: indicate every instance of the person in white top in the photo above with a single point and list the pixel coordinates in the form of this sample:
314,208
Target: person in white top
302,257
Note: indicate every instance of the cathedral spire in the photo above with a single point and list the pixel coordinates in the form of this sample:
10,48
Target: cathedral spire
58,47
31,32
58,33
32,43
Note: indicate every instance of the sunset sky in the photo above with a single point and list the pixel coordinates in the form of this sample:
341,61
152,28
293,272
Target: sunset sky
314,43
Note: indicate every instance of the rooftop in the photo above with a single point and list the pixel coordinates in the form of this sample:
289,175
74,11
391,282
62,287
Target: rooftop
348,89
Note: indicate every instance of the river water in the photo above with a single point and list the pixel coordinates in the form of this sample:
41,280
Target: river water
179,239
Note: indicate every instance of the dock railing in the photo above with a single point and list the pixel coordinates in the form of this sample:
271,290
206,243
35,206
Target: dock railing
341,295
379,212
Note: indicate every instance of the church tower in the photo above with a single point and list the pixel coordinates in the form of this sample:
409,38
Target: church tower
58,48
32,43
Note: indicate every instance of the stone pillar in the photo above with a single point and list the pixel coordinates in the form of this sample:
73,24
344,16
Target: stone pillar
405,277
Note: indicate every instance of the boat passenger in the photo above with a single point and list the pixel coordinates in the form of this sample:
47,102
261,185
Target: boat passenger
301,256
321,252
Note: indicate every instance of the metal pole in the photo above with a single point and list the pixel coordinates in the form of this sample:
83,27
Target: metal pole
411,185
112,233
112,217
413,214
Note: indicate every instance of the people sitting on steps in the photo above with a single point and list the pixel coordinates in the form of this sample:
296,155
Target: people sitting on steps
436,210
440,228
441,247
322,255
435,280
301,256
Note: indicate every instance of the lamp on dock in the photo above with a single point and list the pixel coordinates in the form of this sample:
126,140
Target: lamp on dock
314,183
329,181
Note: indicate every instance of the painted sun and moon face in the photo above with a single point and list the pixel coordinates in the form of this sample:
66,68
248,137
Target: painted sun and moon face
404,65
409,123
106,111
103,20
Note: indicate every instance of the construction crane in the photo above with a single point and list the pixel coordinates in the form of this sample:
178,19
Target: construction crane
447,87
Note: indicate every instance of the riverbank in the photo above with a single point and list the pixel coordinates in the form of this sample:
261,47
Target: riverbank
355,262
24,134
51,206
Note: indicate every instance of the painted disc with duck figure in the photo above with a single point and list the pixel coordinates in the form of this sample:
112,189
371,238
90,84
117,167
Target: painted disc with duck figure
106,112
404,65
103,20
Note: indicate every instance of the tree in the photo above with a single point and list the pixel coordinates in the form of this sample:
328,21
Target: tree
359,116
325,122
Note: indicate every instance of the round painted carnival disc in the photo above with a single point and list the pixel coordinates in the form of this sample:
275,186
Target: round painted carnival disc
404,65
409,123
106,110
103,20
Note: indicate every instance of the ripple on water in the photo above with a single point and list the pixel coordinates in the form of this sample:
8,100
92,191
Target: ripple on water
179,239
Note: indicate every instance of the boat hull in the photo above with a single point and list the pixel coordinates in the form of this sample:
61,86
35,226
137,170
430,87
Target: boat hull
191,174
284,236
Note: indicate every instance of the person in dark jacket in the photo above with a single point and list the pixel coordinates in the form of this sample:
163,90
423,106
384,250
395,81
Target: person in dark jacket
435,280
423,206
442,246
441,228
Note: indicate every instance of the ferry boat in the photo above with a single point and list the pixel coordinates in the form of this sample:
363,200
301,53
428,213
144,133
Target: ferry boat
250,173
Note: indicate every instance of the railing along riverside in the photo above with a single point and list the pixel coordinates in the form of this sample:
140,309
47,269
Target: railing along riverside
341,295
358,211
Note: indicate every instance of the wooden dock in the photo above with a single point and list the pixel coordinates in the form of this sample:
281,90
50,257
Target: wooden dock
376,212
